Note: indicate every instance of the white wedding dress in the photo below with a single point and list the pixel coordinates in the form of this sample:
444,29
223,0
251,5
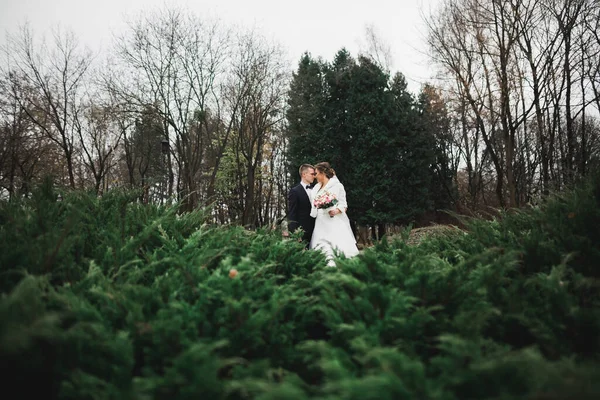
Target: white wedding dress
332,232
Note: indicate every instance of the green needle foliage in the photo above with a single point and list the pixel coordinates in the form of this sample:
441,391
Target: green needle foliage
105,298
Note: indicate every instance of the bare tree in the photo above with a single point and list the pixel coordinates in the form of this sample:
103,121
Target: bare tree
176,60
520,67
99,137
258,95
566,15
23,149
458,43
592,24
54,73
377,49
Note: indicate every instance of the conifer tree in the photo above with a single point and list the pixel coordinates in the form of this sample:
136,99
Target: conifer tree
305,113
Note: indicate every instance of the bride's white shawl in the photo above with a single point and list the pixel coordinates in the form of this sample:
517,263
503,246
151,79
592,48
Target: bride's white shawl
335,187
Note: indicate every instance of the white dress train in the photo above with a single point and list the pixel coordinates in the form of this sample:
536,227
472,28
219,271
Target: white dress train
332,232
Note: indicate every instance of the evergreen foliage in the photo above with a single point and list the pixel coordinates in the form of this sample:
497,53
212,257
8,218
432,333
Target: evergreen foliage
372,130
143,150
109,298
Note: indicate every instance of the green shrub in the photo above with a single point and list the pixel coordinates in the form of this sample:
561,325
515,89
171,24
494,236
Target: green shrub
108,298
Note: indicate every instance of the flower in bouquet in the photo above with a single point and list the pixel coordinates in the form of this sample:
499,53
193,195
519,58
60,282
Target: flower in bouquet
325,200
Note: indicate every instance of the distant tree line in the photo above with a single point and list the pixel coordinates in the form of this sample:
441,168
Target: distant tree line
188,109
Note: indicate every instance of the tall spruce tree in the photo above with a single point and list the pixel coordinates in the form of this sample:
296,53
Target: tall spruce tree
335,143
370,130
413,157
144,154
305,114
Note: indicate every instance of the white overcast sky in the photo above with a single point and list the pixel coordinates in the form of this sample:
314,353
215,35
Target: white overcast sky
321,27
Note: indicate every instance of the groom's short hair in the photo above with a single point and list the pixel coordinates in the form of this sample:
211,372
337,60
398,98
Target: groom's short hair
304,167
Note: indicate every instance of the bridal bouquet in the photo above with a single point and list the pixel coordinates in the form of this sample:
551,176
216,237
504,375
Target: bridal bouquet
325,200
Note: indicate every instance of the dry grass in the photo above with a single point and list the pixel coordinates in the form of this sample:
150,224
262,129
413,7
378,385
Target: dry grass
416,235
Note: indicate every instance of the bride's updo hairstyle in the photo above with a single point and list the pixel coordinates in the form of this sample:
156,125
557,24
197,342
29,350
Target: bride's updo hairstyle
326,169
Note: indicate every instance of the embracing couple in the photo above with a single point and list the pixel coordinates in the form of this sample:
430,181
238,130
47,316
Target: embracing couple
320,210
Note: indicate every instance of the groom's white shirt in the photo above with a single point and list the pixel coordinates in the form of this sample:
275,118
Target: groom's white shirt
308,191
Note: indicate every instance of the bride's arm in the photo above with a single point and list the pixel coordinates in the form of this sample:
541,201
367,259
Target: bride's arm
342,204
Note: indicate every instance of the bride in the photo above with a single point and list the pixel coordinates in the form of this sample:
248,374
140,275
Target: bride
332,226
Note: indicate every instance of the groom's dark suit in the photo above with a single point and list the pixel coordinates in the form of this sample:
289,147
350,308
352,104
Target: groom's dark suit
299,212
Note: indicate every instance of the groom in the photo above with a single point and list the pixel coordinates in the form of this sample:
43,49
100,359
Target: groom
299,203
